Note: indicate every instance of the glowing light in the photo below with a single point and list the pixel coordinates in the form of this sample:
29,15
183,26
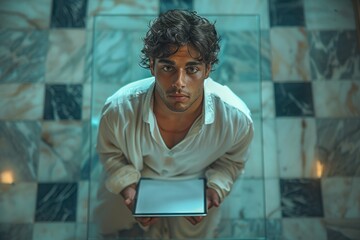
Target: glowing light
319,169
7,177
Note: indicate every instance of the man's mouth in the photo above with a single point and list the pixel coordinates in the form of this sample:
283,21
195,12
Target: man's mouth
179,97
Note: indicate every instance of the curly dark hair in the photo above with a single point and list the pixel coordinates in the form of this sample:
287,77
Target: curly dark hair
176,28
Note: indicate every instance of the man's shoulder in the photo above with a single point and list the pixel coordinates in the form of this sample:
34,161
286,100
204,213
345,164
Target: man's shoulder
132,90
226,97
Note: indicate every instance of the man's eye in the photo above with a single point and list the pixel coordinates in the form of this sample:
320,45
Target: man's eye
167,68
192,69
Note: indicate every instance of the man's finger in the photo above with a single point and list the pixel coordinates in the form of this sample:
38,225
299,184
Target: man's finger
213,199
128,201
147,221
215,202
192,220
143,221
209,204
153,220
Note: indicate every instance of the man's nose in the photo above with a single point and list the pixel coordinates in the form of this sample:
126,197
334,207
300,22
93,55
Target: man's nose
180,79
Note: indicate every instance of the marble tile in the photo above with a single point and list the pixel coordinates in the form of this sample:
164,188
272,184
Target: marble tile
16,231
293,99
56,202
290,54
250,93
17,202
246,200
236,23
19,150
329,14
54,231
273,229
301,198
23,55
336,99
63,102
115,7
341,197
241,229
94,200
338,147
248,229
244,7
25,14
333,234
93,232
88,147
303,228
112,61
334,55
66,56
88,58
128,23
272,198
296,141
265,55
254,166
269,150
267,99
345,229
83,202
87,101
117,52
68,14
96,169
81,231
224,229
166,5
286,13
64,151
101,91
239,57
137,72
21,101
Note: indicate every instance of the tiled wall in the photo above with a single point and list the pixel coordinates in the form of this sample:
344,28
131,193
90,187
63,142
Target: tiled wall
310,106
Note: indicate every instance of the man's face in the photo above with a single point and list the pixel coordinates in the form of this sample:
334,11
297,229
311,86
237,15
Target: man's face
180,79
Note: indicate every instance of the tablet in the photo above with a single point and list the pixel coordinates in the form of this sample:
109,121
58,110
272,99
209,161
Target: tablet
160,198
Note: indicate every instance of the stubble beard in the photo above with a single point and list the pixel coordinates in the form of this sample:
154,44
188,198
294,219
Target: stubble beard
176,107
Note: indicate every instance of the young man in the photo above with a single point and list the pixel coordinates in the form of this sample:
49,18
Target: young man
178,124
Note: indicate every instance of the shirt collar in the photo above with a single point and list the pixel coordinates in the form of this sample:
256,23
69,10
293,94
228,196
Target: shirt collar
208,108
148,114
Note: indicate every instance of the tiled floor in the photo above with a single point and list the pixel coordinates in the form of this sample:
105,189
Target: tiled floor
302,181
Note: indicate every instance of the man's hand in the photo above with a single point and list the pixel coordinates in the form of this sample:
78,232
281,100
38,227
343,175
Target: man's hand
129,195
213,200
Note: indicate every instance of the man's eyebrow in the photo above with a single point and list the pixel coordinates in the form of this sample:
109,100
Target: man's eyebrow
192,63
167,61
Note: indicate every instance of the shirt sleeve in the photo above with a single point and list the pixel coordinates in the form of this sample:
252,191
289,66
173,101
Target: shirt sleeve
224,171
120,173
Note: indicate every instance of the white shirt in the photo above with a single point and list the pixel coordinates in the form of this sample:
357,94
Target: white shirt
130,145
